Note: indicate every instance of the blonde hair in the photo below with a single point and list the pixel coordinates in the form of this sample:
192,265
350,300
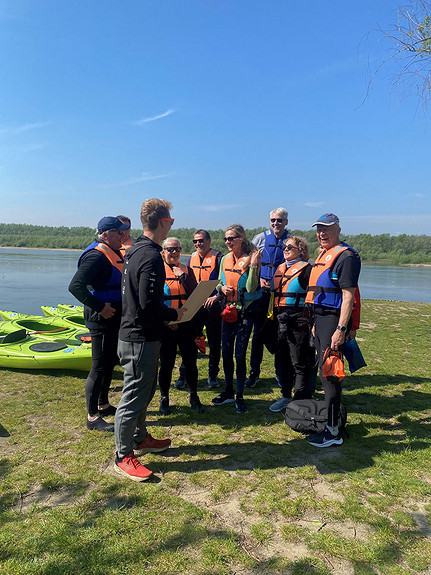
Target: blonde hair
247,247
152,211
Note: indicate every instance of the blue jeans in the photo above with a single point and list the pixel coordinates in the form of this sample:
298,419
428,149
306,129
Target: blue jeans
234,339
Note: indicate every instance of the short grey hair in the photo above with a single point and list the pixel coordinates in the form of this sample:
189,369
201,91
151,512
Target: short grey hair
279,211
165,242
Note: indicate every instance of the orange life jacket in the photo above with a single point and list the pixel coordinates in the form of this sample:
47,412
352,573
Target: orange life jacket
203,270
125,246
232,271
111,255
321,289
174,291
287,289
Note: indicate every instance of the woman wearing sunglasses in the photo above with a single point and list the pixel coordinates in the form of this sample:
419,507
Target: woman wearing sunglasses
179,284
294,356
239,286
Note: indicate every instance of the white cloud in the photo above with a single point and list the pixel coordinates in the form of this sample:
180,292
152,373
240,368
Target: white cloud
24,128
221,207
152,118
144,177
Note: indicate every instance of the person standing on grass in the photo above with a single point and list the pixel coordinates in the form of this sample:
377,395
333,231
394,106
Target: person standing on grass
331,292
142,320
293,353
179,284
205,263
97,284
270,243
239,284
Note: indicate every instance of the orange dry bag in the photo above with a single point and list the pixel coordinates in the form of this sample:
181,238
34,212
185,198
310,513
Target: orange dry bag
333,366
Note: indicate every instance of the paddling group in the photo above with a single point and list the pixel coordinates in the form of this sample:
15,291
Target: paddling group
135,297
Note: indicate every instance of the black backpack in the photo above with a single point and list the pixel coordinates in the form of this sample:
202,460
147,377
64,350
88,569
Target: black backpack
310,416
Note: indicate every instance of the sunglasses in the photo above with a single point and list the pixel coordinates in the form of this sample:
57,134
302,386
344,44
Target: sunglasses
198,241
171,220
231,238
278,220
289,247
173,250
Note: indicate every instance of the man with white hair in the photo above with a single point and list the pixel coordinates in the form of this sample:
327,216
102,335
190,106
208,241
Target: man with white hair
331,294
270,243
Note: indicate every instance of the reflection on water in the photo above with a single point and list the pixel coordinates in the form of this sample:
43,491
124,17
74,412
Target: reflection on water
31,278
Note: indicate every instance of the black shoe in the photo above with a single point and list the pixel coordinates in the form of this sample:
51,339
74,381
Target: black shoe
195,403
251,381
224,397
180,383
240,405
100,424
111,410
164,406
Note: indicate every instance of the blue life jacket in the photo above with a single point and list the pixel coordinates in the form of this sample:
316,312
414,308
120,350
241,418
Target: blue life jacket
272,254
111,291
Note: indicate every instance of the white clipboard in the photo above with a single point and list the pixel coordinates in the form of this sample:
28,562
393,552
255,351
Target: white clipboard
196,299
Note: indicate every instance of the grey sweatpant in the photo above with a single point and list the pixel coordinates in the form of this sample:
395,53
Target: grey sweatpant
139,361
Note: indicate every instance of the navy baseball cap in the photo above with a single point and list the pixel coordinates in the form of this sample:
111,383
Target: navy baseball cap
327,220
111,223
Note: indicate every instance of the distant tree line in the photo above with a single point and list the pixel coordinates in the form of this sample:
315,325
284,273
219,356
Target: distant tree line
380,249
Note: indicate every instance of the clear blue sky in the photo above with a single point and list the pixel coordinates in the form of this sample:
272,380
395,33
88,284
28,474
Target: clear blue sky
228,108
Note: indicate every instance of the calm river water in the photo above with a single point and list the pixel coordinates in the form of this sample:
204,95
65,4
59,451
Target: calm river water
31,278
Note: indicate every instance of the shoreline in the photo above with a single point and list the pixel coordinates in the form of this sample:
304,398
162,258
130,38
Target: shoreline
44,249
79,250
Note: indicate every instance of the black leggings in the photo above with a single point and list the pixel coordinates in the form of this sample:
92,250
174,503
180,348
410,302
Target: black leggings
184,338
103,360
326,322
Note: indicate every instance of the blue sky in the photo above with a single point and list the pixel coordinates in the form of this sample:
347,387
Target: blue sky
226,108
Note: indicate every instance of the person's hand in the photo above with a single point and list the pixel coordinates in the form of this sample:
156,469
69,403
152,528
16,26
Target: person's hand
180,313
107,311
352,333
313,330
178,272
228,292
337,339
265,284
209,301
255,259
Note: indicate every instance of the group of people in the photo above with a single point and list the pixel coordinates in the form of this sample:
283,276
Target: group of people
135,296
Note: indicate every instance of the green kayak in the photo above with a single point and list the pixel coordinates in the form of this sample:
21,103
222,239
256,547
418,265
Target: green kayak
62,309
18,350
70,327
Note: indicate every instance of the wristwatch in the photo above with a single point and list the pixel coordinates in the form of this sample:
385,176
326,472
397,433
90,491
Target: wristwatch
341,328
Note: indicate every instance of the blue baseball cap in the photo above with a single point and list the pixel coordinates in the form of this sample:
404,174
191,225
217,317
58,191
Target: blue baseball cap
111,223
327,220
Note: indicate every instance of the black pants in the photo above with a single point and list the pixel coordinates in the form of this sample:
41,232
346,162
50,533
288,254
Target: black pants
103,360
326,321
293,355
211,319
184,338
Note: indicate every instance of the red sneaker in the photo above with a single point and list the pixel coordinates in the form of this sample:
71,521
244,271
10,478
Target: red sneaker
132,468
151,445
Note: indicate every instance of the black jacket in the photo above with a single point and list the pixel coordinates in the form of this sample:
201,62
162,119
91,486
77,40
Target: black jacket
94,270
142,291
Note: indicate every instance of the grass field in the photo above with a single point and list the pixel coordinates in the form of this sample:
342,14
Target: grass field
236,493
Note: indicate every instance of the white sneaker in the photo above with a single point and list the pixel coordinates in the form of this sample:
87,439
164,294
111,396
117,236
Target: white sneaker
280,404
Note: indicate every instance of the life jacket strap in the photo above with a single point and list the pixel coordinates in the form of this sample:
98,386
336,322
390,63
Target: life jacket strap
320,289
239,272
